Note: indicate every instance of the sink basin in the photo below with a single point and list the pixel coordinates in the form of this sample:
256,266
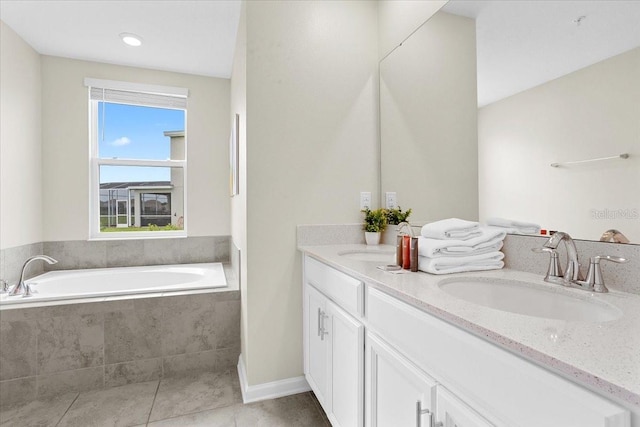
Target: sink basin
378,255
530,299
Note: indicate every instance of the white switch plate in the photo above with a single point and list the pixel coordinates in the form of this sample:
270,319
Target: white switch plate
391,200
365,200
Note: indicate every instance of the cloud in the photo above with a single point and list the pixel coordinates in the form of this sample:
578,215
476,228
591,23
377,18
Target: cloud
121,141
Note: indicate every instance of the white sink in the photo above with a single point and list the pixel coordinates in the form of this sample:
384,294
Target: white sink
531,299
378,255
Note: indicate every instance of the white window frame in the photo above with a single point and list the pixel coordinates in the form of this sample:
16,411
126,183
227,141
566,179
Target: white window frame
95,161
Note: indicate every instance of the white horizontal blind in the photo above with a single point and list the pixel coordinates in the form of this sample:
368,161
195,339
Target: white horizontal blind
138,98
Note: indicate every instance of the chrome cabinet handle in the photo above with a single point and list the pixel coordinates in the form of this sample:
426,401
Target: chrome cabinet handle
319,322
323,331
420,412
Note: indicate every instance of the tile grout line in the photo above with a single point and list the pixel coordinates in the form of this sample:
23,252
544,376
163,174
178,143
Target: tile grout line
153,403
65,412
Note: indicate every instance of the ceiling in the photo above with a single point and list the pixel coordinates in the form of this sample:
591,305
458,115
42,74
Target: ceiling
522,44
186,36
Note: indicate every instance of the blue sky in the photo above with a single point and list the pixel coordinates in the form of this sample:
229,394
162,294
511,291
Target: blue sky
135,132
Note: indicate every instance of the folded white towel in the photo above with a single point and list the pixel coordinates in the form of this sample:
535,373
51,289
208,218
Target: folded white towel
515,227
451,228
490,240
446,265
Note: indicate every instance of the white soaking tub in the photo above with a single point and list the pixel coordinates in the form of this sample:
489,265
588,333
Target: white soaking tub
106,282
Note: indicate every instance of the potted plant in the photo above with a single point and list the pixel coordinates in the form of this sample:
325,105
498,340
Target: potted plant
375,221
394,217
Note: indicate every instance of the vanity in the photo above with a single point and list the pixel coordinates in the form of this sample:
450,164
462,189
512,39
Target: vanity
414,349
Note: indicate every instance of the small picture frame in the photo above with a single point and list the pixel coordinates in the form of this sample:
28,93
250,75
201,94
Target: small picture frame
234,157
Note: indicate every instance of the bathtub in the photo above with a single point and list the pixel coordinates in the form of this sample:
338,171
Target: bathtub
107,282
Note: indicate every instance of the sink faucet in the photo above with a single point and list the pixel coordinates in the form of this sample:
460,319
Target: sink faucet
405,224
19,288
572,272
614,235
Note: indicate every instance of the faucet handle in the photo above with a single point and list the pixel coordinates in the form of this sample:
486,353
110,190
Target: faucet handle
4,286
594,275
28,292
554,272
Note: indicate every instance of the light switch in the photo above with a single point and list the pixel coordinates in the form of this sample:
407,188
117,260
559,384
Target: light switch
365,200
391,201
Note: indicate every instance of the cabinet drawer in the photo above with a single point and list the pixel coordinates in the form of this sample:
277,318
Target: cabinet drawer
497,383
344,290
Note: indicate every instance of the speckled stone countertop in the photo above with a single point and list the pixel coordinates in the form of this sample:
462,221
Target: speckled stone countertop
602,356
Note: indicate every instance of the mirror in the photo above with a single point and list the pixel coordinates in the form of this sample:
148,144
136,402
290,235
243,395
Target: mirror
480,101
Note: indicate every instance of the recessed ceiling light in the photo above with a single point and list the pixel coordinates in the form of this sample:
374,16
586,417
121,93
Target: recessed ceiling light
131,39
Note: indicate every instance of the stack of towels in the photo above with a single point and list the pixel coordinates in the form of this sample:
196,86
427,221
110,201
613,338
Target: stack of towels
514,227
455,245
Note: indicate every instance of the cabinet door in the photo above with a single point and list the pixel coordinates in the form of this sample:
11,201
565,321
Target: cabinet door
452,412
317,365
346,343
398,393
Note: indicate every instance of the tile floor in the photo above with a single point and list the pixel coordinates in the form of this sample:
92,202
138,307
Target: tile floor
207,399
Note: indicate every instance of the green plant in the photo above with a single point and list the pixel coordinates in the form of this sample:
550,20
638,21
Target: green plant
396,216
375,220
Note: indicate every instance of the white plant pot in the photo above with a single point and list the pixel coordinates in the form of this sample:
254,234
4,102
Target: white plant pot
389,235
372,237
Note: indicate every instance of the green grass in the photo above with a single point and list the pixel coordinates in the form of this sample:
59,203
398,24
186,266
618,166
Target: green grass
147,228
117,230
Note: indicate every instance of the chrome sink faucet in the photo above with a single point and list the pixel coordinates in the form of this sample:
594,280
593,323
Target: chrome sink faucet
572,277
20,287
406,225
572,271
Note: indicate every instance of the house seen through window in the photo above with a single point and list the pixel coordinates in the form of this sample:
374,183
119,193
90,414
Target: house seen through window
138,164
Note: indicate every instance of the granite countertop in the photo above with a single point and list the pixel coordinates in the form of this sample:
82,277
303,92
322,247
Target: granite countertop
602,356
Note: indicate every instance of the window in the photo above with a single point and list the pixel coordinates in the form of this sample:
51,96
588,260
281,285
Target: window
138,160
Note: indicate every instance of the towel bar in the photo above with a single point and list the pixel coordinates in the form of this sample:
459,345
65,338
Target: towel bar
620,156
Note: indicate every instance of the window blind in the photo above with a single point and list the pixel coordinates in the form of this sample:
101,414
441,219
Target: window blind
138,98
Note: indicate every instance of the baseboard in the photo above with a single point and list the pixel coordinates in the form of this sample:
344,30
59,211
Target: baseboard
272,390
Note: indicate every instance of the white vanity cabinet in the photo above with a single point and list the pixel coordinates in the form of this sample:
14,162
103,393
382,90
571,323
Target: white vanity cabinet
489,382
334,342
415,369
397,393
400,394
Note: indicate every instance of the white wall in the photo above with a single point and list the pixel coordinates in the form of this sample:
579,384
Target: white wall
20,136
239,202
65,145
397,19
311,148
591,113
428,121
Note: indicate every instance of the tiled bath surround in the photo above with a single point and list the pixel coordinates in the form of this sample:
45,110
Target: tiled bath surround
80,254
47,351
517,250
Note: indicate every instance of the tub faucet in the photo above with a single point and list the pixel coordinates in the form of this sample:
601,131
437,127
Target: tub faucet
19,288
405,224
572,272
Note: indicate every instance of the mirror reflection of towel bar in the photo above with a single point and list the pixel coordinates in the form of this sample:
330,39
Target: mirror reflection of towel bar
620,156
